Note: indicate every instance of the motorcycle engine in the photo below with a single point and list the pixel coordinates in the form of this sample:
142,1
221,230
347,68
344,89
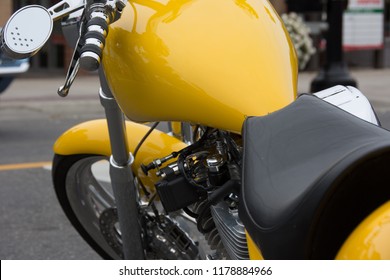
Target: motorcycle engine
203,184
231,231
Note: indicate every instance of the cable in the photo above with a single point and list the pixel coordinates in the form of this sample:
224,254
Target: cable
190,213
144,138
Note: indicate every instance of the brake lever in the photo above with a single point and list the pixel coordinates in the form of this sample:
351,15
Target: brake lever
73,70
83,56
74,66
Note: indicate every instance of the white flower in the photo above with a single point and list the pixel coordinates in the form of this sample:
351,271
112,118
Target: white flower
300,36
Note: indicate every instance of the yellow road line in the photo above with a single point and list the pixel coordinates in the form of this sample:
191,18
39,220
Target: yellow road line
19,166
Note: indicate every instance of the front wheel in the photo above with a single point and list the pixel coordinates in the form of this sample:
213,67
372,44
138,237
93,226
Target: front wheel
84,191
83,187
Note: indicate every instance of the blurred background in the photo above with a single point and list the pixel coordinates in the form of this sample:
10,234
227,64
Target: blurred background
369,49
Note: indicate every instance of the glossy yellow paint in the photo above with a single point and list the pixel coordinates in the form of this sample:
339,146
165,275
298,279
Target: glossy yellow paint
176,129
201,61
371,239
92,138
254,251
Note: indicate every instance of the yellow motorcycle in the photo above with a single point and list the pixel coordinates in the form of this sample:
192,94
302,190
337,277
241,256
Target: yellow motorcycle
246,170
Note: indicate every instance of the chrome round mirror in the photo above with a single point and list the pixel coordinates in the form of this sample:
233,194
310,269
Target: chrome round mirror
26,32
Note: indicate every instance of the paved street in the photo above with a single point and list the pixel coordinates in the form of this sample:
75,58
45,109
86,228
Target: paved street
32,116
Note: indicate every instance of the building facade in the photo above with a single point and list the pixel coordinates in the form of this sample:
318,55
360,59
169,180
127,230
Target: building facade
5,11
55,55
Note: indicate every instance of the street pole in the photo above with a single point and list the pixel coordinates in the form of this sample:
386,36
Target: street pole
335,71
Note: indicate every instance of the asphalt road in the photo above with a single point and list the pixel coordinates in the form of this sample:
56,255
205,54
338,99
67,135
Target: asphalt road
32,225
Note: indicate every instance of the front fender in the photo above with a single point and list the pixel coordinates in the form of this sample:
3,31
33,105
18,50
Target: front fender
92,138
370,240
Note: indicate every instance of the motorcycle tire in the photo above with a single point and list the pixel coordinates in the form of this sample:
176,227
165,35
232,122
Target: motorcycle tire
83,190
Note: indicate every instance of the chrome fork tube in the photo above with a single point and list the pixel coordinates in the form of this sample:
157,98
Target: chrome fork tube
122,179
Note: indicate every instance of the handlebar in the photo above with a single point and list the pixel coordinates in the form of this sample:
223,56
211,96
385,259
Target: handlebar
100,15
95,39
23,37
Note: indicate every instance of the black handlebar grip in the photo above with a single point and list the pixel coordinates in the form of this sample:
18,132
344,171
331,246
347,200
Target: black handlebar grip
95,39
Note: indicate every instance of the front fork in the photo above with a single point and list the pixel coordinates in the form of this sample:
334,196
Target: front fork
122,178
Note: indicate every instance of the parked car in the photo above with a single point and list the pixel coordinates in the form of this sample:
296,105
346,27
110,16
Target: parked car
10,68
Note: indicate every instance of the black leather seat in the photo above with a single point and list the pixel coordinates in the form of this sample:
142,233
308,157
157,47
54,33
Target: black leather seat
311,173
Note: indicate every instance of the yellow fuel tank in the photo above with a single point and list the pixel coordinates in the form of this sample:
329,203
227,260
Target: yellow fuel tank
212,62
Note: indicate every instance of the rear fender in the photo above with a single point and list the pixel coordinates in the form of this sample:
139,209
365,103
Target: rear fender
370,240
92,138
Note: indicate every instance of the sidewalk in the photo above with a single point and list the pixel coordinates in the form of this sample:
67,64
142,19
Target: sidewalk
374,83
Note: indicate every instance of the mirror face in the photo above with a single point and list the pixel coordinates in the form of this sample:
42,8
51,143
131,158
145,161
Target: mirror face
27,31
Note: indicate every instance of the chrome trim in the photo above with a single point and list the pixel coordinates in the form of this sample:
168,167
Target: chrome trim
12,70
351,100
65,8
